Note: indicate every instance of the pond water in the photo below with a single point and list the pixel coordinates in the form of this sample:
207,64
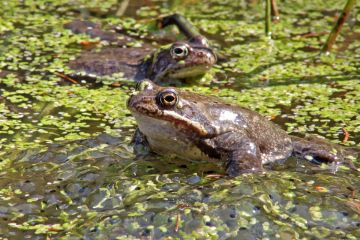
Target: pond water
67,170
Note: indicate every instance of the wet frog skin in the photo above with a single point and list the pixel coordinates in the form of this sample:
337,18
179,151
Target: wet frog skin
197,127
180,60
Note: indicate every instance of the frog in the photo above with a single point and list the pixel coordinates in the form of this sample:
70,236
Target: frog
191,126
181,60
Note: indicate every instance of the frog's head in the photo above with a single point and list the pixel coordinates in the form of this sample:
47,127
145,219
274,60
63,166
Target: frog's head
182,60
158,107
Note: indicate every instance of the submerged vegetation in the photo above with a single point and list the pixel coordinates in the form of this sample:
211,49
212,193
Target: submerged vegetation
66,165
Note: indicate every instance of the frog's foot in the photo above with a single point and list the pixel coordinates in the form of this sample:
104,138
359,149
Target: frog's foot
351,154
318,150
181,22
81,26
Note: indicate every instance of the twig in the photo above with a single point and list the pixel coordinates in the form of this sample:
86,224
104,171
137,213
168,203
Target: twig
63,76
309,34
183,206
274,11
353,205
268,18
116,84
177,224
182,23
346,133
339,24
215,175
86,43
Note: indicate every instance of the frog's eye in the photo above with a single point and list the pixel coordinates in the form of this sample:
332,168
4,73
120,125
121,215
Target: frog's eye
167,98
179,51
144,85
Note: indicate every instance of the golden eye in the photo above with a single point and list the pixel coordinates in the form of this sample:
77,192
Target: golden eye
167,98
179,51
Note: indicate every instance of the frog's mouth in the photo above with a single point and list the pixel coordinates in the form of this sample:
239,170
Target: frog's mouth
175,119
185,72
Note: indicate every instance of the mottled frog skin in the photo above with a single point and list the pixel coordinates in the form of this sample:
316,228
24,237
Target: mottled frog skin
197,127
180,60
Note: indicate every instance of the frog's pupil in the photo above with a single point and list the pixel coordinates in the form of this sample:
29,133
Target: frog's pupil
169,98
178,51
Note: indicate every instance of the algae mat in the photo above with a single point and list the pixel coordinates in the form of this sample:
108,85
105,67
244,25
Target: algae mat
67,170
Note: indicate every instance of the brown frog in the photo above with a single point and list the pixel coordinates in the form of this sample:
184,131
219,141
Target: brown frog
180,60
198,127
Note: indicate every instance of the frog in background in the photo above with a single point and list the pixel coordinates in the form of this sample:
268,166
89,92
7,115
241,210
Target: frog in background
181,60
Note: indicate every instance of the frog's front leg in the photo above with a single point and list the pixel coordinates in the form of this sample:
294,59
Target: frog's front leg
241,153
140,143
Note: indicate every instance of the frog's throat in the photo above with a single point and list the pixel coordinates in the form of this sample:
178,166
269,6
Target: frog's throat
180,121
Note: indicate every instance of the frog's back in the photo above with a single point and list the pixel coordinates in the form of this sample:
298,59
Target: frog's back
273,142
111,60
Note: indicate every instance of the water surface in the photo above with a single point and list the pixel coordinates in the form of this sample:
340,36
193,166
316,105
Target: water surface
66,165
